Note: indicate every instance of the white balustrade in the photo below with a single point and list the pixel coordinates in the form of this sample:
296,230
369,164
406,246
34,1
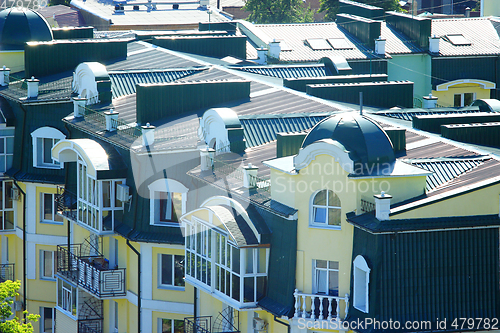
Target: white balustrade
305,306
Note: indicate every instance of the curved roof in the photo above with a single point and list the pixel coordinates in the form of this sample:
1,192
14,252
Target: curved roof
365,140
21,25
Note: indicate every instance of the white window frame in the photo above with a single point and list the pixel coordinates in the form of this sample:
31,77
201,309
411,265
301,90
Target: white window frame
113,314
328,269
165,186
42,265
160,269
45,133
6,154
361,281
323,225
172,321
42,319
54,209
67,298
4,205
462,98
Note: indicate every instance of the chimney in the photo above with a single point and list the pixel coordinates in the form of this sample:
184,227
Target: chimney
111,118
148,135
250,176
78,106
380,46
206,158
434,44
430,101
4,76
467,12
274,49
262,56
382,206
33,87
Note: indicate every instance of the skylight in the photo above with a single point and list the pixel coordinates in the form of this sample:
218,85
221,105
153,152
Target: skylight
339,43
284,46
458,39
318,44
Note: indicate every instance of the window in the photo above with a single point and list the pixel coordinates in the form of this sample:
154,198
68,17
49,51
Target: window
6,205
326,209
464,99
48,261
167,202
44,138
361,281
458,39
171,326
326,277
66,297
171,270
49,208
47,320
318,44
339,43
170,206
6,152
114,313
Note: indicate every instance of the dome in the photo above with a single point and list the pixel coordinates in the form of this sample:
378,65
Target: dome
21,25
366,141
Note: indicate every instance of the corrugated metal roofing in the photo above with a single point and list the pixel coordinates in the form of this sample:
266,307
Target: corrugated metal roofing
479,31
294,35
398,43
445,170
289,71
437,150
258,131
408,114
124,83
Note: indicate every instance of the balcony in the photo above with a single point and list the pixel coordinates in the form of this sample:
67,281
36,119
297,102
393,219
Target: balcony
317,307
6,272
90,326
223,323
90,272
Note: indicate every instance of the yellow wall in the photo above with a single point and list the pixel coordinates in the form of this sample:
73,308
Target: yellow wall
162,315
43,227
34,308
65,324
132,267
42,290
491,8
13,60
446,98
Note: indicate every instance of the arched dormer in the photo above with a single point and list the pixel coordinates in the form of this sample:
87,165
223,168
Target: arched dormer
221,129
91,153
91,81
44,138
167,198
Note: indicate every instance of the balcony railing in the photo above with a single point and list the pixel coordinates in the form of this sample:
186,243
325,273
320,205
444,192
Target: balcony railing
90,272
223,323
66,202
198,324
6,272
90,326
320,307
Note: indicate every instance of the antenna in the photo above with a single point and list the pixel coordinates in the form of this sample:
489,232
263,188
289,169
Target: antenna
361,103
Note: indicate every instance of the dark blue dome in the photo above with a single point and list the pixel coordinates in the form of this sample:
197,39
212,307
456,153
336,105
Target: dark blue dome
366,141
21,25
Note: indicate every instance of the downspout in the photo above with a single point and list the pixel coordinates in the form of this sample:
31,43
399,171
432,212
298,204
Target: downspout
139,285
24,245
282,323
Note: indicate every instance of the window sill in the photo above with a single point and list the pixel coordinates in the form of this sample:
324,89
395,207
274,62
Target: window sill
174,288
361,309
167,224
329,227
47,166
51,222
47,279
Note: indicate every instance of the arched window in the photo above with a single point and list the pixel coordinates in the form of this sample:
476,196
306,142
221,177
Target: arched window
326,209
44,138
167,202
361,281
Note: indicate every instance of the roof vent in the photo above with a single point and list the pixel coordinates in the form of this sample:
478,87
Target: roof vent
148,134
111,118
380,46
430,102
275,49
33,87
262,56
250,176
382,206
434,44
79,106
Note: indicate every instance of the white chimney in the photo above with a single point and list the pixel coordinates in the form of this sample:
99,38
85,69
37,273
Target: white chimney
382,206
434,44
111,118
4,76
78,106
430,101
33,87
380,46
250,176
262,56
274,49
467,12
148,135
206,158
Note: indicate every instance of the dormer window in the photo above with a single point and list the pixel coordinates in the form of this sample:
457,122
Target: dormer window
458,40
325,209
44,139
167,202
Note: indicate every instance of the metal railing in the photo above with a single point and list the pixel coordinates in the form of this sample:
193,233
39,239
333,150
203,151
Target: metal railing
90,272
201,324
66,203
90,326
6,272
320,307
367,206
417,102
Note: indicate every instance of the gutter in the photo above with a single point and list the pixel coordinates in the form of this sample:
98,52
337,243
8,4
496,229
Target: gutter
24,245
138,285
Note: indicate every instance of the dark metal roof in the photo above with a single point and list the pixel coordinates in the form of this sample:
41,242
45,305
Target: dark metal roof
236,225
50,89
408,114
289,71
436,150
20,25
370,223
35,177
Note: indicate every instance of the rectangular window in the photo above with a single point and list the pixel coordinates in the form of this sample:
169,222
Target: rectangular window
116,315
6,152
171,326
67,297
465,99
170,206
326,277
49,208
47,320
171,270
44,151
48,261
6,205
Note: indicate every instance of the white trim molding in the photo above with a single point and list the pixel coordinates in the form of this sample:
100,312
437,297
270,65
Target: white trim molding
213,127
361,280
165,185
324,147
483,83
45,132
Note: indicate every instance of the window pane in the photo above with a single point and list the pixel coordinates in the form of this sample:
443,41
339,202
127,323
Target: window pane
106,194
321,263
166,325
236,287
47,206
2,163
261,260
321,283
2,145
457,100
261,287
166,269
333,199
179,271
228,283
47,320
249,260
236,260
333,283
177,206
8,196
468,98
47,263
334,216
320,198
333,265
319,215
118,203
248,289
47,147
8,219
10,145
178,326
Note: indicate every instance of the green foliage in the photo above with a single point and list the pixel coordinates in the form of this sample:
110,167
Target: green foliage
331,7
59,2
8,291
278,11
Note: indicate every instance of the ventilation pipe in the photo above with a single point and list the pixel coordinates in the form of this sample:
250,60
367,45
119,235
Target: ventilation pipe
206,158
430,102
382,206
380,46
434,44
148,135
275,49
467,12
111,118
4,76
262,55
33,87
79,106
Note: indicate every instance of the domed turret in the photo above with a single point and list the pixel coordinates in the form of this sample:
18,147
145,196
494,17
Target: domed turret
21,25
365,140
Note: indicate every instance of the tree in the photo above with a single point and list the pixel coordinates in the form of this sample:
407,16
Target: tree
8,291
331,7
278,11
